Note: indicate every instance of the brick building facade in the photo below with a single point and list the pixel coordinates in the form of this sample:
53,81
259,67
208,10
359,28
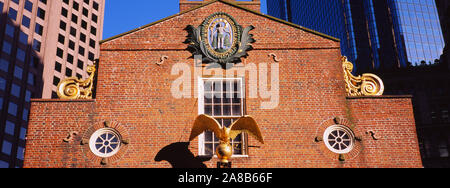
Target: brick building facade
135,98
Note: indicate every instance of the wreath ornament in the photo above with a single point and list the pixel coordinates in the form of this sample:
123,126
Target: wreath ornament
220,39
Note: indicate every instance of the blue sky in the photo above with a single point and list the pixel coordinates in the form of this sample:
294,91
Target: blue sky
123,16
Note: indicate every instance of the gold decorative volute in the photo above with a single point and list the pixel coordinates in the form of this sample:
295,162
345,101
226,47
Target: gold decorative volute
74,88
365,85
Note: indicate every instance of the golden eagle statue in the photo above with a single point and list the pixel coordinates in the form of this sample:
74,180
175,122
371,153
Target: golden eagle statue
224,151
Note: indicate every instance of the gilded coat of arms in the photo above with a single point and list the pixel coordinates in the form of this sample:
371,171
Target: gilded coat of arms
219,39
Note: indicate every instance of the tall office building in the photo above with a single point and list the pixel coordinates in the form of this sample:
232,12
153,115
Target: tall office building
400,41
382,34
41,43
324,16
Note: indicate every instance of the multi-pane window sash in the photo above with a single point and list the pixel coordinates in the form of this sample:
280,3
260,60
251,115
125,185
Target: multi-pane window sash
223,99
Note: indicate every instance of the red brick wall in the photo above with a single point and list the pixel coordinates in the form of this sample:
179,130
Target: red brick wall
51,122
135,92
392,121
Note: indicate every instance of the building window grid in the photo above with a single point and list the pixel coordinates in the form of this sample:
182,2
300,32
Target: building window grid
90,27
423,43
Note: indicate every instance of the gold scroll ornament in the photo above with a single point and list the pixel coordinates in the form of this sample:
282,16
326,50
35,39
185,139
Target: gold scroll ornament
365,85
74,88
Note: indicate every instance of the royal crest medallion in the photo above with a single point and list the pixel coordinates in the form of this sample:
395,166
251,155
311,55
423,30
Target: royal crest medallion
220,40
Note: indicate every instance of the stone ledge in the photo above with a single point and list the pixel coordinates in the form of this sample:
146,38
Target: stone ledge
61,100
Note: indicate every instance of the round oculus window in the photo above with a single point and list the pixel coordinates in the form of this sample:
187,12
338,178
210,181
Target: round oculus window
339,139
105,142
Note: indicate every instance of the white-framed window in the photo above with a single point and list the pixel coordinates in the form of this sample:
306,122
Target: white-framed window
339,139
223,99
105,142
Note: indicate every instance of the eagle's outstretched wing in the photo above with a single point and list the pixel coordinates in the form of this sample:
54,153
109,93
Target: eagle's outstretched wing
205,123
246,124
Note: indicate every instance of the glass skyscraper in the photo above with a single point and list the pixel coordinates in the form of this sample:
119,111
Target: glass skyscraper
388,37
416,24
321,15
375,34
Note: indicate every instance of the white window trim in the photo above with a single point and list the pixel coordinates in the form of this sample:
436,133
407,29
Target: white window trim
201,110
